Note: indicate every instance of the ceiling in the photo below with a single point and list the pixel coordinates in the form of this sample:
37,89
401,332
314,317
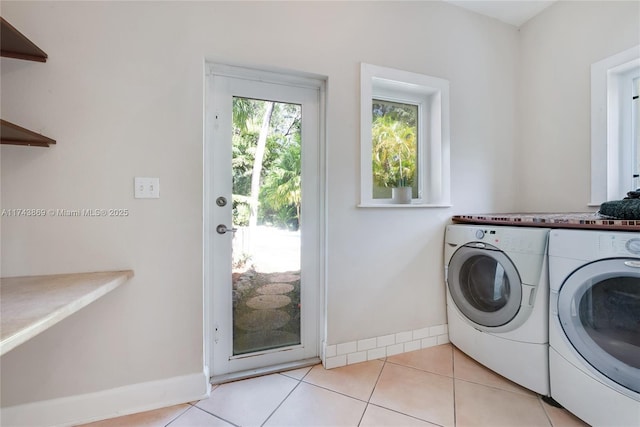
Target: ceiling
514,12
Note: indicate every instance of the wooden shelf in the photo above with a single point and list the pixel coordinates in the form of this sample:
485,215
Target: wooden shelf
14,44
31,304
16,135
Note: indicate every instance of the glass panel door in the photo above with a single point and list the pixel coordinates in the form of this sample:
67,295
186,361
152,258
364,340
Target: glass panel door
267,196
263,185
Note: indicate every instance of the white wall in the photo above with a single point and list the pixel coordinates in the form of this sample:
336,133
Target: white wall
386,266
122,93
557,49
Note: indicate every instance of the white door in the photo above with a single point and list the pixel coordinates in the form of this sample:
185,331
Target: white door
264,218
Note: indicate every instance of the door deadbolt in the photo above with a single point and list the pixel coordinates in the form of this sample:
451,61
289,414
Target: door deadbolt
221,201
221,229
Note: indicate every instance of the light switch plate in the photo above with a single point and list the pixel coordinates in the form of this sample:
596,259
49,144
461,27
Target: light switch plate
146,188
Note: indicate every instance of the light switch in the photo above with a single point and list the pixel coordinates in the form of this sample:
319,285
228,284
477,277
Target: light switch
146,188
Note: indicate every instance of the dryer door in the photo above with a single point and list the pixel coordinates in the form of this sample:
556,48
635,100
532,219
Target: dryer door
599,310
484,284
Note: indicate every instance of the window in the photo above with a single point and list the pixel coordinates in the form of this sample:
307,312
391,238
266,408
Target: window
614,126
394,139
404,138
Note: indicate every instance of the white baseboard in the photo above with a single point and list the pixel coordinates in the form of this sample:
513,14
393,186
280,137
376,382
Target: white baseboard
115,402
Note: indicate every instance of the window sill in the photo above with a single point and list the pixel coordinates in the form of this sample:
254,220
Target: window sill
398,205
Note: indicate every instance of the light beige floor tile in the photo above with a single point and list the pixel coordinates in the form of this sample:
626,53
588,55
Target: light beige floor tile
479,405
355,380
297,374
309,405
467,369
156,418
417,393
196,417
560,417
248,402
376,416
438,359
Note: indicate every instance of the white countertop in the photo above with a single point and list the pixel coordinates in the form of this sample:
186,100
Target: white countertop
32,304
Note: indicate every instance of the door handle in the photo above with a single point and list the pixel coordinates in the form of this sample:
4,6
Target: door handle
221,229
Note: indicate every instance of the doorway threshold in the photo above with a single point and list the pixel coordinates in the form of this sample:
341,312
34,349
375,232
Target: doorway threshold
251,373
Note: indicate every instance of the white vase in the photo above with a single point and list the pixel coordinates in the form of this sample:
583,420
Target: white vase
401,195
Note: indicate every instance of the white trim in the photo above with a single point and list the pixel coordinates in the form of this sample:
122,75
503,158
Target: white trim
296,79
431,94
130,399
606,148
343,354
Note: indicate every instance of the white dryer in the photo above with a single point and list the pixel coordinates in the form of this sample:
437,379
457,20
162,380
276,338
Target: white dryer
497,299
594,325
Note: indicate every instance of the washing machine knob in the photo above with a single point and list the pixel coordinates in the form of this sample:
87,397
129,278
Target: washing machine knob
633,246
479,234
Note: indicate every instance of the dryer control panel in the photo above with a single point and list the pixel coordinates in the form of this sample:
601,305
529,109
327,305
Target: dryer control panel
617,245
589,245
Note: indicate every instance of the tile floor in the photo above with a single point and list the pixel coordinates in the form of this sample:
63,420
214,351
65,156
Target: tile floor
437,386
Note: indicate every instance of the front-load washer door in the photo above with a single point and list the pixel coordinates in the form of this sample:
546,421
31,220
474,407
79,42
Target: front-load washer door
484,284
599,310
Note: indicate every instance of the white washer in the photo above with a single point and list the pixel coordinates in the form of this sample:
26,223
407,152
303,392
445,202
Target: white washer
594,325
497,299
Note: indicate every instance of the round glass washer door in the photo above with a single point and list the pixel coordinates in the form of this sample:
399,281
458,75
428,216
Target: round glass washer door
484,284
599,311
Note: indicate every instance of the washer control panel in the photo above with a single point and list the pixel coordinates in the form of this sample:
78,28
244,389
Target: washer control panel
525,240
507,239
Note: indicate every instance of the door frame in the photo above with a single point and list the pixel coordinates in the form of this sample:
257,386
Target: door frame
288,78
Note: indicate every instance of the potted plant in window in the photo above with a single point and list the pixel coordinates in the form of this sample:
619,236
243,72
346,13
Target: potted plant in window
394,159
401,193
